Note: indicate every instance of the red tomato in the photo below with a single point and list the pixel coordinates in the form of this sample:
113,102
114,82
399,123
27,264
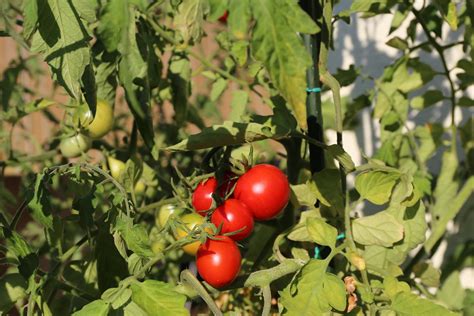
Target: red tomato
218,261
224,17
202,195
265,190
233,215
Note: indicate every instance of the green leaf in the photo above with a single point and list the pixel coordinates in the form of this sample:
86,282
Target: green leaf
63,40
96,308
392,286
427,273
276,43
117,297
137,55
342,157
218,87
238,105
302,195
379,6
408,304
451,292
448,10
381,229
465,101
378,261
307,296
429,98
190,18
398,43
153,296
239,18
111,267
376,186
30,17
39,202
135,236
229,133
335,291
113,26
326,187
12,289
321,232
180,76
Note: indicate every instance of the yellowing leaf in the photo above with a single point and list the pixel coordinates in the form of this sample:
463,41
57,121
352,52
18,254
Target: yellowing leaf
380,229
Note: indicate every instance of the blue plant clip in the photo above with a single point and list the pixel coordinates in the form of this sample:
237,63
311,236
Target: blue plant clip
314,90
317,251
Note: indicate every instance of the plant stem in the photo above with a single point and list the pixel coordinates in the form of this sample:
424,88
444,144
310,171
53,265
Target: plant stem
188,278
267,300
155,205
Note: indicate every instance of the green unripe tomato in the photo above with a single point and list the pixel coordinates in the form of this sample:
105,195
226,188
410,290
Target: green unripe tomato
158,246
139,187
98,125
165,212
117,167
75,145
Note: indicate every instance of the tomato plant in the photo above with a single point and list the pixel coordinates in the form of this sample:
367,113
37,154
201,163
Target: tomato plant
218,261
236,157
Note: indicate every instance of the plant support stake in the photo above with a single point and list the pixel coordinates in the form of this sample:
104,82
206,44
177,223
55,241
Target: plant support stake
312,43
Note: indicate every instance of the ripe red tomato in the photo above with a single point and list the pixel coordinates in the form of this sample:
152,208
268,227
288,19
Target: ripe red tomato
218,261
265,190
224,17
233,215
202,195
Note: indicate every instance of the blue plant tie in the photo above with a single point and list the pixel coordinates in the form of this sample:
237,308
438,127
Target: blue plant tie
317,251
314,90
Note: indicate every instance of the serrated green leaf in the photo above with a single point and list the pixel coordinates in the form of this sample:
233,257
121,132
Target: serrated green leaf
376,186
239,18
135,236
218,87
429,98
180,76
113,26
408,304
398,43
238,104
306,296
276,43
190,18
392,286
12,289
428,274
381,229
378,261
30,17
321,232
302,195
153,296
451,292
229,133
39,202
326,187
63,40
342,157
96,308
335,291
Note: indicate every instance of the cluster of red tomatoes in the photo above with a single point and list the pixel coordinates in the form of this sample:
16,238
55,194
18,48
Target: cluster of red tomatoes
261,193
